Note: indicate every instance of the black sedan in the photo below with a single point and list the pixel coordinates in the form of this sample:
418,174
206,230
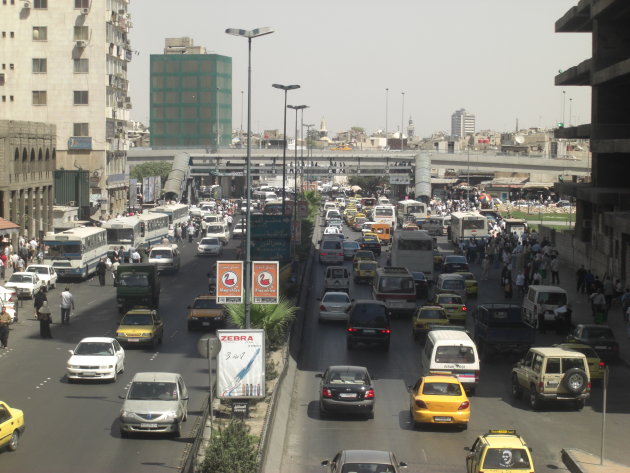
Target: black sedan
454,263
600,337
364,460
422,284
370,243
346,389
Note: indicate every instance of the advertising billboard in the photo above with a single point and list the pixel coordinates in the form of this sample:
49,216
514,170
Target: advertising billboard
241,364
229,282
265,282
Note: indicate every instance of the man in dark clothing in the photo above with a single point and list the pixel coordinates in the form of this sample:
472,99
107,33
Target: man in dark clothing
581,276
38,301
101,269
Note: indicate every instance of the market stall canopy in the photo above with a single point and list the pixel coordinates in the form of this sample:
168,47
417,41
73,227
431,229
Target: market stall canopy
356,188
8,227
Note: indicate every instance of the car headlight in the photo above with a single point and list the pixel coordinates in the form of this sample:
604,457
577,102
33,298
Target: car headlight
106,367
74,367
120,334
146,334
170,415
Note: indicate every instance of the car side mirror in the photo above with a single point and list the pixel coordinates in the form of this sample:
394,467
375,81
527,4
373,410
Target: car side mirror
319,375
185,398
402,464
71,352
325,463
122,396
467,449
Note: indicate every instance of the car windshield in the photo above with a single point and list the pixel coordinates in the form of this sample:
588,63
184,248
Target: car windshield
369,315
137,319
37,269
367,468
552,298
506,458
456,259
206,304
133,279
210,241
442,389
343,298
20,278
593,332
152,391
94,349
215,229
419,276
161,254
348,376
454,354
431,314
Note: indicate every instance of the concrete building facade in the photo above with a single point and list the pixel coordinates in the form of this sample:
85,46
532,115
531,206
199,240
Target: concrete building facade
462,123
27,160
66,63
602,230
191,97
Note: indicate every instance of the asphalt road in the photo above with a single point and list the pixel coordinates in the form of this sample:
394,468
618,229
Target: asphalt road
309,439
73,428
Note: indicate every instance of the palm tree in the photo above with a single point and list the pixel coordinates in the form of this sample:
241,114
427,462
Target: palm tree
273,318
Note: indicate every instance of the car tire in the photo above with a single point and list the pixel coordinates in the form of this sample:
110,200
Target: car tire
517,391
463,426
414,425
370,414
575,381
115,377
322,412
124,434
177,433
579,404
534,400
189,326
14,442
122,368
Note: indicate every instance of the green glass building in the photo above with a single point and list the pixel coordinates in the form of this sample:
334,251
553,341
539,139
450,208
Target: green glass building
191,100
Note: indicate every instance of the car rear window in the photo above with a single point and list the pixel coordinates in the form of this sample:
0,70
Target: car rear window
331,245
347,376
431,314
442,389
453,284
161,254
369,315
335,298
454,354
506,458
337,273
450,300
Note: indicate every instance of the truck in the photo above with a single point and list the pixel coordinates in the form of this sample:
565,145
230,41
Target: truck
414,251
499,329
137,286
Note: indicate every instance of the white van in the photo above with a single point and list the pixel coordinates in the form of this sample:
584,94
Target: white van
218,230
166,257
437,225
542,299
451,351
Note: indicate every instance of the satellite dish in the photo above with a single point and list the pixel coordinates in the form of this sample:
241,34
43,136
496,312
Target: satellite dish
519,139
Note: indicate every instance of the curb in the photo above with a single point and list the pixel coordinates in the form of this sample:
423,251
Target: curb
579,461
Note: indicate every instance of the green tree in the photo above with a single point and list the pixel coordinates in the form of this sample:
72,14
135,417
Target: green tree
368,183
151,169
357,129
273,318
232,449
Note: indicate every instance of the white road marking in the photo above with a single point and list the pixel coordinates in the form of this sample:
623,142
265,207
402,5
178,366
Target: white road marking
174,333
91,302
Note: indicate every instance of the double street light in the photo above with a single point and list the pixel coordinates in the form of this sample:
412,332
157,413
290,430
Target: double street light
286,88
249,34
295,169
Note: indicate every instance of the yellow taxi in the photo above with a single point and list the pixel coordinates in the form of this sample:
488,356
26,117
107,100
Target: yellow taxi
426,315
455,307
472,287
596,366
349,214
499,450
11,426
365,271
362,255
439,399
205,313
140,327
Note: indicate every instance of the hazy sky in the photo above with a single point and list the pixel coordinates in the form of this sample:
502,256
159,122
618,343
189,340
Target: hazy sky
496,58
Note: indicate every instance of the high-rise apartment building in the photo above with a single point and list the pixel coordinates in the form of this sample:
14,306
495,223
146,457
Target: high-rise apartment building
65,63
191,97
462,123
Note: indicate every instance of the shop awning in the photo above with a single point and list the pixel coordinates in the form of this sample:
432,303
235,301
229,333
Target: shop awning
8,227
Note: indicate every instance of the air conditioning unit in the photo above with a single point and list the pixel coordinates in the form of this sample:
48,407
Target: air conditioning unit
27,4
122,12
128,106
81,44
120,104
85,11
71,203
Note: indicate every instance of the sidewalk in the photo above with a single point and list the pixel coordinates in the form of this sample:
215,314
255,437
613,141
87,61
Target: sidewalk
579,461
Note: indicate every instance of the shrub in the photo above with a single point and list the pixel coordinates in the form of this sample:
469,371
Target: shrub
232,449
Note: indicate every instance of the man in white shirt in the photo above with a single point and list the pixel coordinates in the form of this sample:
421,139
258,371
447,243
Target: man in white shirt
67,305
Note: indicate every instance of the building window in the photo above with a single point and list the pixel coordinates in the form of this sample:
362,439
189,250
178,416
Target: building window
81,129
12,34
40,4
40,33
40,66
1,79
81,3
81,33
39,97
81,66
81,97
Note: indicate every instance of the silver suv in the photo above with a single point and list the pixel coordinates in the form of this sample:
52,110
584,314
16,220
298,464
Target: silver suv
552,374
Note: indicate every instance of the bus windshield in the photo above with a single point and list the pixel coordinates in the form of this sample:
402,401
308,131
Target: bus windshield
383,212
473,223
396,284
415,209
58,250
120,235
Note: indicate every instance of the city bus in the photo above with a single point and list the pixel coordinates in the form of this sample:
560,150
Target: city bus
177,213
385,214
123,232
74,253
274,207
411,210
414,251
153,228
465,225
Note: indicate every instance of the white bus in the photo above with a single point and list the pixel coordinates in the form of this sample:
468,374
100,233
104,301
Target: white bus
264,196
414,251
123,232
74,253
153,228
412,210
385,214
177,213
465,225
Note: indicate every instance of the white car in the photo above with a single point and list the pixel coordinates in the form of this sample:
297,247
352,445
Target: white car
334,306
210,246
8,297
332,230
96,358
45,272
240,230
26,284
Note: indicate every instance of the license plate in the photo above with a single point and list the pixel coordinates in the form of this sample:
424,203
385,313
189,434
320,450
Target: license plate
396,302
133,340
442,419
148,426
601,348
205,324
369,331
348,395
450,310
87,375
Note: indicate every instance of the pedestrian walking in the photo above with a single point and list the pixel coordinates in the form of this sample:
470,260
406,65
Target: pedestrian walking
581,276
625,304
44,321
520,284
609,291
67,305
135,256
5,320
554,267
485,266
38,302
115,265
101,270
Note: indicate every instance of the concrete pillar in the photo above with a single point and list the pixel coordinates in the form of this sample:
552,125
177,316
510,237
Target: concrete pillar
39,224
49,205
32,196
21,211
225,184
45,215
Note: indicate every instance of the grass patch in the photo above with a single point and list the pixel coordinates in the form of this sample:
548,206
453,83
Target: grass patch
563,217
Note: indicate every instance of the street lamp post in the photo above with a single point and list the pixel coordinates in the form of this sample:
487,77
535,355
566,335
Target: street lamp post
308,144
402,124
286,88
386,113
295,168
241,129
217,117
249,34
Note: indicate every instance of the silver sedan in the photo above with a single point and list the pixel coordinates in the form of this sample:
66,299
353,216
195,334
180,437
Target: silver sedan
334,306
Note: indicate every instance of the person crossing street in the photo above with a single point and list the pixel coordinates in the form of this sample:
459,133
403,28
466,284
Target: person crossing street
67,305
